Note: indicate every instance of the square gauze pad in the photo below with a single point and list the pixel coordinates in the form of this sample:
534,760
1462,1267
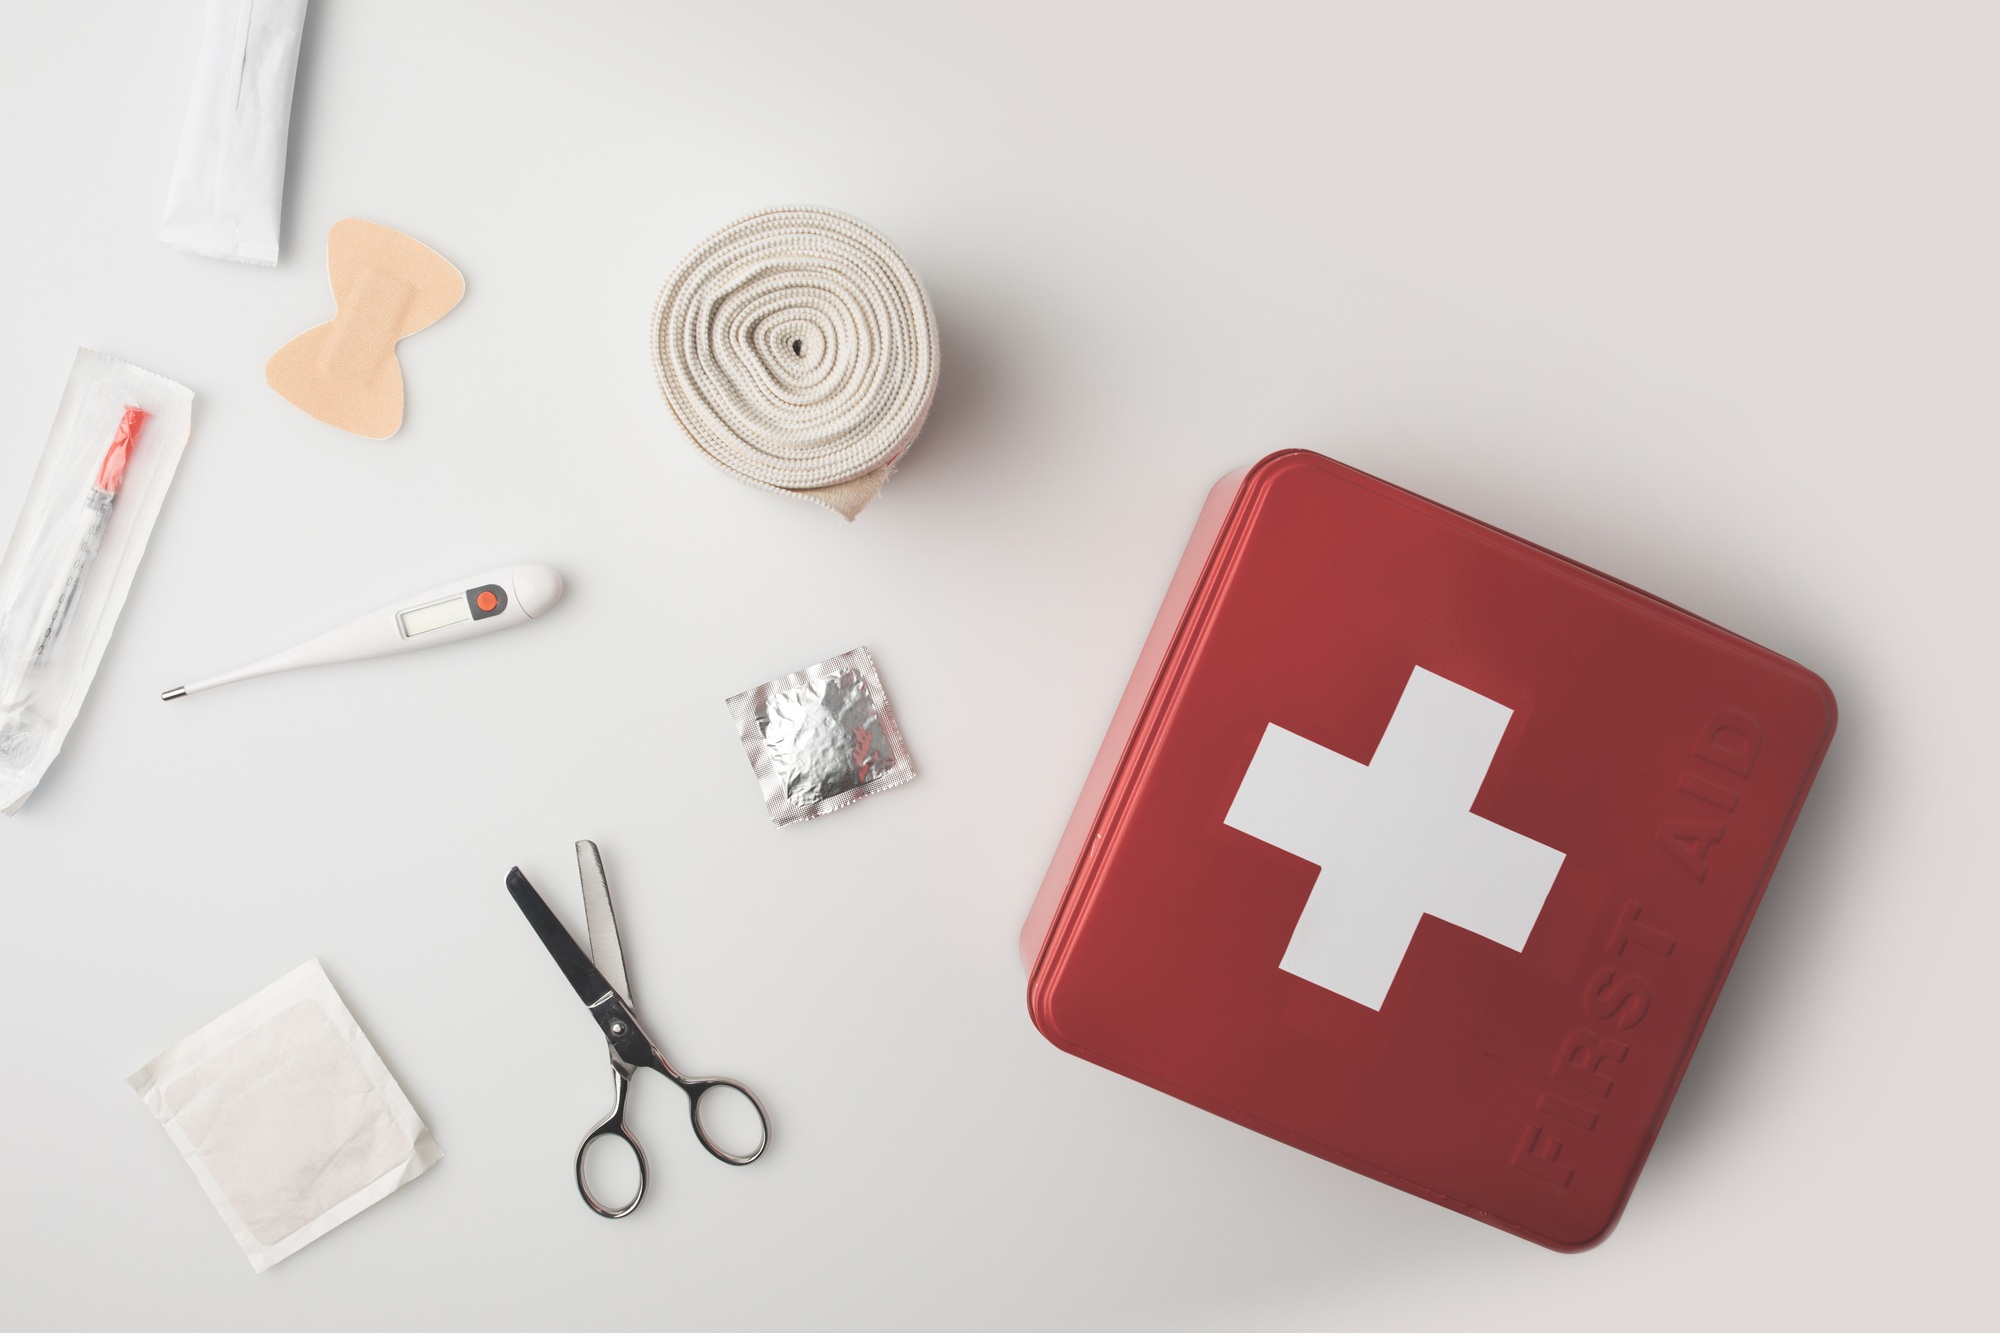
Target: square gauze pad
286,1115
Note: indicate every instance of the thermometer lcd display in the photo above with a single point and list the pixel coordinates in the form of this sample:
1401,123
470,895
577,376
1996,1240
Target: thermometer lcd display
423,619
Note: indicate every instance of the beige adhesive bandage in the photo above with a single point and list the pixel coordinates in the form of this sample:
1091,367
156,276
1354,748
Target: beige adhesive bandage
798,351
386,286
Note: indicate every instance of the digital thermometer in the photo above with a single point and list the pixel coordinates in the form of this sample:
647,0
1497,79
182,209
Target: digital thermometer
479,605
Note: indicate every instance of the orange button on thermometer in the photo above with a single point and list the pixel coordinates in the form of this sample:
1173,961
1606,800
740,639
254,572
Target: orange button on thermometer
478,605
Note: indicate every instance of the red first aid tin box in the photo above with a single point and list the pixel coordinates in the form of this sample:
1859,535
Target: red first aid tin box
1420,848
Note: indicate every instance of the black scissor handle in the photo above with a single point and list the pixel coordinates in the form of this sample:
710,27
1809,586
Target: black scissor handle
696,1089
613,1126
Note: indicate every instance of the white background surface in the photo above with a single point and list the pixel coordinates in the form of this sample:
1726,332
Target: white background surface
1705,298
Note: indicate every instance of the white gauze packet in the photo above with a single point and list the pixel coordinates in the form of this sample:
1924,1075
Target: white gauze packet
286,1115
229,179
74,550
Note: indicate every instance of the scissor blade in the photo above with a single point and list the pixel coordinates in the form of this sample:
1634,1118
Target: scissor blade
588,982
597,916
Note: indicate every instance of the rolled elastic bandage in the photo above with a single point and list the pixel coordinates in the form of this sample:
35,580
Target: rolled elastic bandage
386,286
799,353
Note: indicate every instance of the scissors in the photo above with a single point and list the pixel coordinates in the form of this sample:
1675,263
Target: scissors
600,982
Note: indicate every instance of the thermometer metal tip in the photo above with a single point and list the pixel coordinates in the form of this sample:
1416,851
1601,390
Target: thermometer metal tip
177,692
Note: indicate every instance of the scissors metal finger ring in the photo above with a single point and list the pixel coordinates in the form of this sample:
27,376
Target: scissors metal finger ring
600,982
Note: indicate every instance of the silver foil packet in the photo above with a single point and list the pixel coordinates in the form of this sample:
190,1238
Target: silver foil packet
821,738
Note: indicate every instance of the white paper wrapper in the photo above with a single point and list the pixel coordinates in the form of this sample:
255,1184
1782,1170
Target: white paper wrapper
286,1115
229,179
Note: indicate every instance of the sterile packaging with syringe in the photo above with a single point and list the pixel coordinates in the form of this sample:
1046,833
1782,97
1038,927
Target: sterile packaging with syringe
82,530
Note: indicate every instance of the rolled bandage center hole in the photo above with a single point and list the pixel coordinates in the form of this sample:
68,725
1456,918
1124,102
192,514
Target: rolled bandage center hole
611,1171
730,1120
791,351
